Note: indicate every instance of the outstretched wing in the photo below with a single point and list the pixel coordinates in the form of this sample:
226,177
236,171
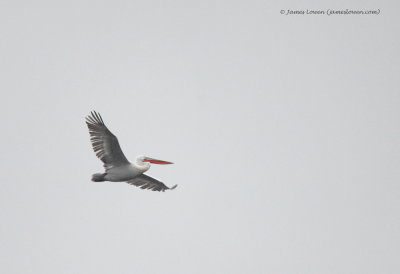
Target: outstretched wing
147,182
104,143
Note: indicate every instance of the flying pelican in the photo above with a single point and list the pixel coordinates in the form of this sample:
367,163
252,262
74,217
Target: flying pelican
117,167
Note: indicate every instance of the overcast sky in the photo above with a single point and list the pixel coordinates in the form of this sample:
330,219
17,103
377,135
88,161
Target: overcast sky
284,131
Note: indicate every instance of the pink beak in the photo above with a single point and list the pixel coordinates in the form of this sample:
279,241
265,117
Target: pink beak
155,161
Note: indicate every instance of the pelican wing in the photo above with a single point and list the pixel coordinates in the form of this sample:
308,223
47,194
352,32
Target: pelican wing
147,182
104,143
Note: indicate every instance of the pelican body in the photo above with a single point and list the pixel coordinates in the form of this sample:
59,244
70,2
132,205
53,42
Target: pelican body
117,167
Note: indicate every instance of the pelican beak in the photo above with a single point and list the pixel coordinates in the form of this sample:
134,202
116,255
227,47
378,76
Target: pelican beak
155,161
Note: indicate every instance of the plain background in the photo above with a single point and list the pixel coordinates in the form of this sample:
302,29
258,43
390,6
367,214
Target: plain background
284,131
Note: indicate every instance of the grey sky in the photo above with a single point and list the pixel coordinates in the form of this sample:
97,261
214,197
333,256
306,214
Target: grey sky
284,130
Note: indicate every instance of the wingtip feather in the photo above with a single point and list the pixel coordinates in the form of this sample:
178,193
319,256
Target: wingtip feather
171,188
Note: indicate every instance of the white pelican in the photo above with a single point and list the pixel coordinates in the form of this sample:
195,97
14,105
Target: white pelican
117,167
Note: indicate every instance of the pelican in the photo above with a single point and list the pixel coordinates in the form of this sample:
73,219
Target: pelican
117,167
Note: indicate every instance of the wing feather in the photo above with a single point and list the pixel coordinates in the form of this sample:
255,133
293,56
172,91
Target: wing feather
146,182
104,143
